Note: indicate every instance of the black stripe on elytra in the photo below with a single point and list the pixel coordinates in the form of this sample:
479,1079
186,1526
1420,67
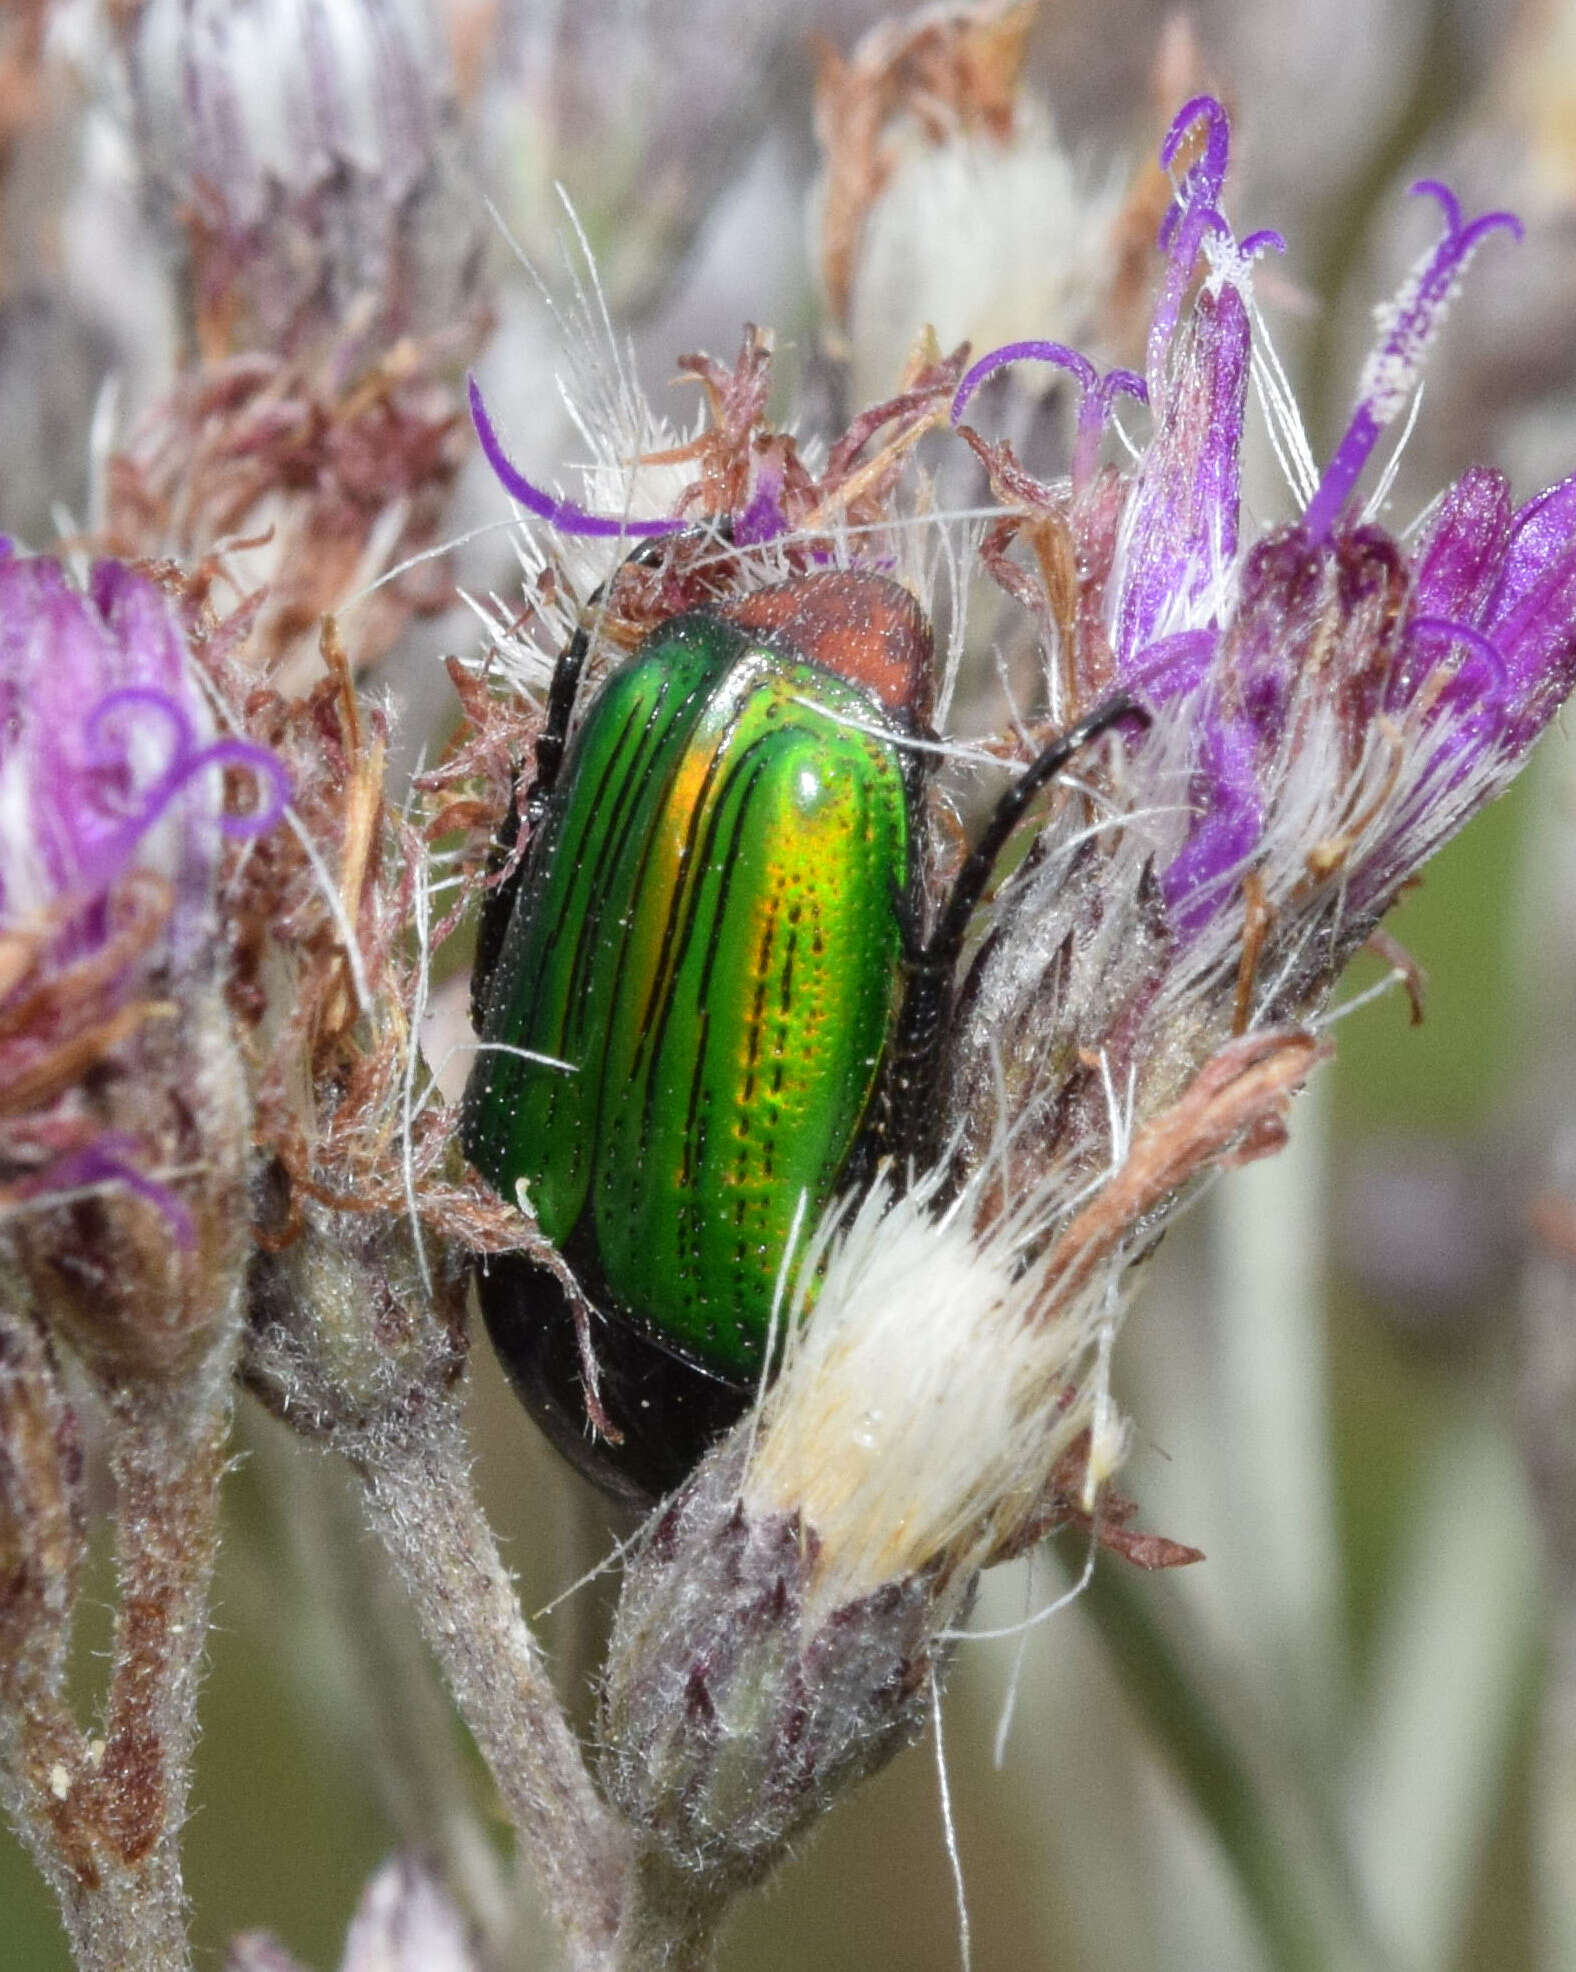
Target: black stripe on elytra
633,742
755,769
785,1000
654,1031
763,964
629,760
692,1109
686,879
658,726
653,733
712,802
647,850
685,887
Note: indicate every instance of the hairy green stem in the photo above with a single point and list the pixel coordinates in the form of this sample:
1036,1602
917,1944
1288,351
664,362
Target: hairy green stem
424,1509
102,1812
670,1919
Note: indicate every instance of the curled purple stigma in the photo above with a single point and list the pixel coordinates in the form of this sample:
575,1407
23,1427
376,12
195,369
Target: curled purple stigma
1391,370
1461,241
1077,366
265,768
1449,204
1121,383
1265,240
1201,186
102,752
562,514
185,763
1094,413
1097,393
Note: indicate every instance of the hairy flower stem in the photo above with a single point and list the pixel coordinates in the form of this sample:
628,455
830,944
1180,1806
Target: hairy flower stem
1286,1857
167,1461
670,1918
423,1508
103,1813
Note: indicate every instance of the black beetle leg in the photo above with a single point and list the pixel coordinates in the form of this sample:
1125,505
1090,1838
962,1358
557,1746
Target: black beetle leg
499,892
927,1001
493,918
554,736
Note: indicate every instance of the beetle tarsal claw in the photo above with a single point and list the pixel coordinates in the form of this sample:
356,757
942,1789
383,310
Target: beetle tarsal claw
590,1374
600,1422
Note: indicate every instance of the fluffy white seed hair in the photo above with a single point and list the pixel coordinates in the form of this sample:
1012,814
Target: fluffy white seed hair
926,1397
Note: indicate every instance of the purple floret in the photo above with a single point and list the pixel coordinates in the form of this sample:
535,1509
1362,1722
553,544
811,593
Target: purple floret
1180,533
1392,369
562,514
1420,677
107,762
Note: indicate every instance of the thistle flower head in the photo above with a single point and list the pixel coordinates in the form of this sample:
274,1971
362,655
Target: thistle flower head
1351,700
109,764
302,155
307,151
115,806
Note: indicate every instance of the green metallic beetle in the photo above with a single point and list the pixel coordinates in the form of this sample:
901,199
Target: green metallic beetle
715,930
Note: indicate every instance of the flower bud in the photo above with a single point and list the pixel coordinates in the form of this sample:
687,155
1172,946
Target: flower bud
736,1707
941,1406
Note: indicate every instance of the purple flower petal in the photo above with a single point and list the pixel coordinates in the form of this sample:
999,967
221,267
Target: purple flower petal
1455,569
1192,214
1228,804
1531,614
1180,532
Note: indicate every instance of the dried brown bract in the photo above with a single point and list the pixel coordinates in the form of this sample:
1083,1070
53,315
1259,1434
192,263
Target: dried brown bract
946,69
